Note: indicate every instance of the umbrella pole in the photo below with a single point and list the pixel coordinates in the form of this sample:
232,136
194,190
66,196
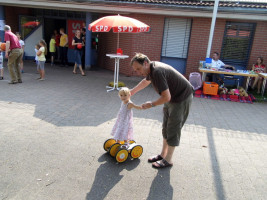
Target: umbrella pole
118,39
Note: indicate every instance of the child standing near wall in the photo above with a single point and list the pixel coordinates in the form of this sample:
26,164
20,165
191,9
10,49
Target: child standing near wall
22,44
1,65
41,59
37,47
52,48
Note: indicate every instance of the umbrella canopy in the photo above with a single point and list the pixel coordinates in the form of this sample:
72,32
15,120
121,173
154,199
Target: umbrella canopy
31,24
119,24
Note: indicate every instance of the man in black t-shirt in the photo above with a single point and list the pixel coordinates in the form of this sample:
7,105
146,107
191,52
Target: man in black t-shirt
176,93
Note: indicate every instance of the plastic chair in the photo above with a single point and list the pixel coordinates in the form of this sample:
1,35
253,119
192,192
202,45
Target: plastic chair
195,80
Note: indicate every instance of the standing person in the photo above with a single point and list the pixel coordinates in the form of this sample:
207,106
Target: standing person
1,63
52,48
14,56
83,36
78,43
176,93
57,44
259,67
37,47
63,46
123,127
41,59
22,44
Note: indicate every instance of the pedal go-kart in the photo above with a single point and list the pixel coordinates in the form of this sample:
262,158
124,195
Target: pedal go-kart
121,151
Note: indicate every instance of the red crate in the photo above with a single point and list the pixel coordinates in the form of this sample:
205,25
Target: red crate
210,88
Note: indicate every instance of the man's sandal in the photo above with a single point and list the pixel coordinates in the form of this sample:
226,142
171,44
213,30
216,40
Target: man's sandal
161,164
154,158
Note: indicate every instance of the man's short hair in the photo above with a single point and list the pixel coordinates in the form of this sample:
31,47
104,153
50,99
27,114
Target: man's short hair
7,28
140,58
216,53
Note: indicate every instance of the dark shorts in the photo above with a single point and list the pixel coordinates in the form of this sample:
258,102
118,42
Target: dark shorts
78,57
175,115
53,54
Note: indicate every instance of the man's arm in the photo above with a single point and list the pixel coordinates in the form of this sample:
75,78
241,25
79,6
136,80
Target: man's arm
67,41
7,48
164,98
143,84
229,66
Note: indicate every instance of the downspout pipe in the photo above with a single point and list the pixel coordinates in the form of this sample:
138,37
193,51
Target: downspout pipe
214,16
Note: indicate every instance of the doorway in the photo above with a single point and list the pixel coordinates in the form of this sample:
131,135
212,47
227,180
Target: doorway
50,25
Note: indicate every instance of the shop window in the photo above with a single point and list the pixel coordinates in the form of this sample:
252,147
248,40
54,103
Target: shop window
237,43
28,24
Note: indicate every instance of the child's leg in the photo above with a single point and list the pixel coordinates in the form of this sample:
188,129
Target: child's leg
42,74
81,69
2,72
21,65
52,60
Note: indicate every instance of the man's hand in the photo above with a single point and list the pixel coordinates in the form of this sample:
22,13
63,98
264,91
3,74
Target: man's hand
147,105
6,55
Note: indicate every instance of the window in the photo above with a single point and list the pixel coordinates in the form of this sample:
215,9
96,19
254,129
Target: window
28,24
237,43
176,37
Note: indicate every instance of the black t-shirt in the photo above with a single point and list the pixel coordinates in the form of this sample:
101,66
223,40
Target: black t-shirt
163,77
77,40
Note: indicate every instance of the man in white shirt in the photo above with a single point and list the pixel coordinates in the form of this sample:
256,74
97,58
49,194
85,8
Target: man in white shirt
216,63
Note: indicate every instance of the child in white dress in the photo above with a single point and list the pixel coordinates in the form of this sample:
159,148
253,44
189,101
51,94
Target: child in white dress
123,128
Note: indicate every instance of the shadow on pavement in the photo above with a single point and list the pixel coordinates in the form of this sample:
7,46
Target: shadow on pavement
108,175
161,187
217,177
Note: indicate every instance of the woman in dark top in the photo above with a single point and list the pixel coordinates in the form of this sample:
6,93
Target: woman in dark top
78,43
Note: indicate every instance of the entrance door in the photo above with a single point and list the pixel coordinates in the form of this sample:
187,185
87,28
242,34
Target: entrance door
49,26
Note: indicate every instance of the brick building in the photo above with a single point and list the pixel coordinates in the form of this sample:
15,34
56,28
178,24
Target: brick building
179,29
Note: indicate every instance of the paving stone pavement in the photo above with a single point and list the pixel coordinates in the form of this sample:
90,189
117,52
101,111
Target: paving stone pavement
52,134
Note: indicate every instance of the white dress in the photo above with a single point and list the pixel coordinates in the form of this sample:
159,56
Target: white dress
123,128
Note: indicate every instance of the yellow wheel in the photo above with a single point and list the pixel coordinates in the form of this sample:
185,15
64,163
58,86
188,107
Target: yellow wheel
137,151
122,155
108,143
114,149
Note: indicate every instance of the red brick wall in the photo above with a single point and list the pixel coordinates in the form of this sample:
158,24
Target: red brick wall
259,46
147,43
151,43
12,16
199,41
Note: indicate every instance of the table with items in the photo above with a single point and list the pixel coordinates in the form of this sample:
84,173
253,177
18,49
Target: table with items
245,73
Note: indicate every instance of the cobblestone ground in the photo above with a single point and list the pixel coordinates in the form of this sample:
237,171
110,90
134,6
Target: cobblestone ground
52,135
